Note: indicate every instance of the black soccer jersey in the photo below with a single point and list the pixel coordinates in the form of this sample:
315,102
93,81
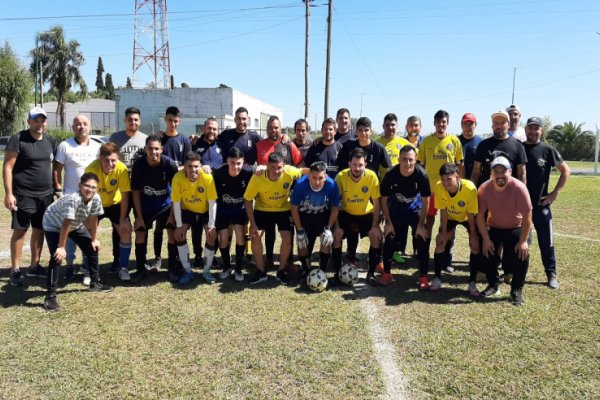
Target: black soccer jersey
230,189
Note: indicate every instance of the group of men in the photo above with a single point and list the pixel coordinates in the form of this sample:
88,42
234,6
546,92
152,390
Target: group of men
343,185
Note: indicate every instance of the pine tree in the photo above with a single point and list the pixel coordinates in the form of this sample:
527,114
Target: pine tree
99,71
110,89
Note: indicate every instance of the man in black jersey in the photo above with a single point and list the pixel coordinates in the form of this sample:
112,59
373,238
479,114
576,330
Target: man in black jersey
240,137
344,129
541,157
326,149
231,181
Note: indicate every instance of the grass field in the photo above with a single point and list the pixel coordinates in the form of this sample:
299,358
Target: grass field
235,341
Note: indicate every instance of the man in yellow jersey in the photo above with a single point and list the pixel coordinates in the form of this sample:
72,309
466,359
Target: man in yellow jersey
434,151
193,198
114,187
390,140
456,199
270,192
359,210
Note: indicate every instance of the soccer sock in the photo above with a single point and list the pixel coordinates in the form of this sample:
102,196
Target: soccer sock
352,242
140,255
270,242
209,253
438,263
124,253
184,254
116,239
323,261
389,246
448,252
225,256
305,263
172,254
336,255
474,261
374,259
239,256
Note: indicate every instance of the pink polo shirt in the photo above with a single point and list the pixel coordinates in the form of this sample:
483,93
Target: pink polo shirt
505,208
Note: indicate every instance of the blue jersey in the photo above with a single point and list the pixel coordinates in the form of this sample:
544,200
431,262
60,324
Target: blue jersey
154,183
176,147
469,147
315,207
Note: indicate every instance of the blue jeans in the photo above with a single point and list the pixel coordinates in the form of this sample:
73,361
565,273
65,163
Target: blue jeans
71,248
542,221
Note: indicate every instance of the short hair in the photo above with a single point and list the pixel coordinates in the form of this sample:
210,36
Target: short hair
363,122
210,119
241,110
132,110
87,176
153,138
318,166
328,121
341,111
441,114
301,121
275,157
235,152
448,169
390,117
358,153
408,147
109,148
173,111
191,156
413,118
273,118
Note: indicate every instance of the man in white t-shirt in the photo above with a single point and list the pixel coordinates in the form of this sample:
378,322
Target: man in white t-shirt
515,129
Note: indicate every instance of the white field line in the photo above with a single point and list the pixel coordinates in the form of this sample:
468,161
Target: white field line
393,379
577,237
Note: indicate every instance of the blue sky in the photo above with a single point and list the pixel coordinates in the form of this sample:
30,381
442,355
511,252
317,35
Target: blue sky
393,56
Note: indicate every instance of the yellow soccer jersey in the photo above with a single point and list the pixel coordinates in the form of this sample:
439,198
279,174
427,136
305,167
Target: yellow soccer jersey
356,196
392,147
112,186
434,152
194,196
272,196
458,207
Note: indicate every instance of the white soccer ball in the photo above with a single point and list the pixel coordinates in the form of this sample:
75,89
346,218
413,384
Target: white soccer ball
348,274
317,280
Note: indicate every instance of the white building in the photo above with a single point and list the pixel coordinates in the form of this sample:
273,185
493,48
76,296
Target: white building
101,113
196,105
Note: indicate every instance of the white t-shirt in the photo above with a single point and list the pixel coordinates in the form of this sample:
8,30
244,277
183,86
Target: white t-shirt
519,134
75,158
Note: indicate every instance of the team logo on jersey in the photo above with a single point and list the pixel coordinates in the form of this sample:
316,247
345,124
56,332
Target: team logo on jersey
449,147
398,146
364,189
200,189
284,151
461,203
286,185
113,182
249,143
541,163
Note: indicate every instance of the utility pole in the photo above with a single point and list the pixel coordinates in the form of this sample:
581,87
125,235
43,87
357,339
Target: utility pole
514,80
361,103
307,3
326,113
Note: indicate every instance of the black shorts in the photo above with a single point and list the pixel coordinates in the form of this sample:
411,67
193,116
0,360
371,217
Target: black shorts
268,220
191,218
30,212
160,218
113,213
355,223
452,224
230,216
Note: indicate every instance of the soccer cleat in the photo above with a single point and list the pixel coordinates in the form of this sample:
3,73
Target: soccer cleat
36,272
379,268
114,267
208,278
226,273
490,291
516,297
507,278
16,278
124,275
398,257
99,287
69,272
371,280
385,278
238,276
87,280
154,265
449,269
553,281
198,262
282,277
51,304
258,277
186,278
436,284
139,275
473,291
423,283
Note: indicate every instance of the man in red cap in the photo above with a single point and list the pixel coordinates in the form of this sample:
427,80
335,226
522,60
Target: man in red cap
469,141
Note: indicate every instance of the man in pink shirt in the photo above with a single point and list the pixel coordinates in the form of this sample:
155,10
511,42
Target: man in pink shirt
504,221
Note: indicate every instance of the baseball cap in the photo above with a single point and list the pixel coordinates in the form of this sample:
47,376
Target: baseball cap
502,114
534,121
469,117
513,107
35,112
501,161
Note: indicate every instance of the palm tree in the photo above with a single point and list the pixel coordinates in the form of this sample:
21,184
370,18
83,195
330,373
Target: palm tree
60,64
571,141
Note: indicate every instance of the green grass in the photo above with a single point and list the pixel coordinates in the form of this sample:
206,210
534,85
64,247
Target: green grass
233,341
581,164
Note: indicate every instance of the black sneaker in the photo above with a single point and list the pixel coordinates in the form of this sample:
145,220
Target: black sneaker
99,287
552,280
139,275
333,281
516,297
114,267
154,265
490,291
36,272
282,277
51,304
16,278
371,280
198,262
69,272
258,277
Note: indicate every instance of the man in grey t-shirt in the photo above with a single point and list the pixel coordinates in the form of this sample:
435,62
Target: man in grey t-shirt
130,141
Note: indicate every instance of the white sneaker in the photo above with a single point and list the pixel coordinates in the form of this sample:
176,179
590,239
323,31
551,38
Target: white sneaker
124,274
226,273
436,284
238,276
473,291
87,280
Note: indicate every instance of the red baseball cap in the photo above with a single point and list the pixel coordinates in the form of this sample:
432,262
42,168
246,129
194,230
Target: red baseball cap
469,117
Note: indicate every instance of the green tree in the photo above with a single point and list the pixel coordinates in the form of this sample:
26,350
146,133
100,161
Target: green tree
99,75
15,91
60,63
109,88
571,141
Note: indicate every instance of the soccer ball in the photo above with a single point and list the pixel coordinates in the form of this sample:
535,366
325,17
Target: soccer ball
348,274
317,280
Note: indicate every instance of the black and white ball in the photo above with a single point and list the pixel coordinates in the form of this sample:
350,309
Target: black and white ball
348,274
317,280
